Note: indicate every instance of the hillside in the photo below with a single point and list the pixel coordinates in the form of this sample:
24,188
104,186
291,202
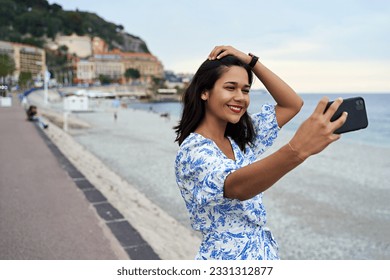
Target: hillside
36,21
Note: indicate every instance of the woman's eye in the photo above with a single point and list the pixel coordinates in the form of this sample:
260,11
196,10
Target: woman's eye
230,88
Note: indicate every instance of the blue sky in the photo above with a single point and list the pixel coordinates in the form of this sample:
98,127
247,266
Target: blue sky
316,46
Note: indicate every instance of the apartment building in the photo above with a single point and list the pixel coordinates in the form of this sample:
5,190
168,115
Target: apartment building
81,46
27,59
147,64
110,65
113,64
86,71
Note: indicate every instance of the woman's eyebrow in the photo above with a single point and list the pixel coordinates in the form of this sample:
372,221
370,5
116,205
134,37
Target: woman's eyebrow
236,83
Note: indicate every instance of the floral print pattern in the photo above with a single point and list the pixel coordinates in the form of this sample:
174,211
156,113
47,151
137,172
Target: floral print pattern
231,229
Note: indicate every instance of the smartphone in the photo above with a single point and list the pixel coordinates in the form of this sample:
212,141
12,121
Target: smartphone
357,114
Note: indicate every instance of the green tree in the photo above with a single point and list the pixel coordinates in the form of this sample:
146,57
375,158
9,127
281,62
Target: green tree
104,80
25,78
132,73
33,21
7,12
158,82
7,65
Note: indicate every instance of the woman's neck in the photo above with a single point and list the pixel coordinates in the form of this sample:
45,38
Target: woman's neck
216,133
212,130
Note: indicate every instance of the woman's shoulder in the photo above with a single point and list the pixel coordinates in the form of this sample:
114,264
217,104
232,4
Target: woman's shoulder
194,140
265,110
265,119
195,145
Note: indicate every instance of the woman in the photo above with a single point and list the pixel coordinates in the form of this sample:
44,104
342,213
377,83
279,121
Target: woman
217,167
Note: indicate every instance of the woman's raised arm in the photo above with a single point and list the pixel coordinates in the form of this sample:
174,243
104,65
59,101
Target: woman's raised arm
314,135
288,103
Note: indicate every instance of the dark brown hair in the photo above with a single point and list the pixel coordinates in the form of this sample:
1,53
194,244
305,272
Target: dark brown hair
194,107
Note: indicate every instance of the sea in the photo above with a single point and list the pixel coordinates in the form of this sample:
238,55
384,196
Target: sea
377,105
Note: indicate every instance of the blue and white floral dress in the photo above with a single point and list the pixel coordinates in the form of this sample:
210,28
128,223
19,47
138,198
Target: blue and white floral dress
232,229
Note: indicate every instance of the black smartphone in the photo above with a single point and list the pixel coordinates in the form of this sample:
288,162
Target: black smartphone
357,114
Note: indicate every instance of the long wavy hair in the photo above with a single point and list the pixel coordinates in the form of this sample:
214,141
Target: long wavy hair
194,107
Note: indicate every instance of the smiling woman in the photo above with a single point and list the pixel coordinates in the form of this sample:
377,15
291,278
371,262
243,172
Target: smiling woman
217,167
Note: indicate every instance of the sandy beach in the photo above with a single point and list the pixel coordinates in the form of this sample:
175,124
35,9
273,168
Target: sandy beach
333,206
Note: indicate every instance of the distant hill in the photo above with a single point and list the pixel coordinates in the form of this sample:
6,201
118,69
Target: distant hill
36,21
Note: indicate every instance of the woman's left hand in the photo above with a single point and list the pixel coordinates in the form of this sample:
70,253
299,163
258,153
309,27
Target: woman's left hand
221,51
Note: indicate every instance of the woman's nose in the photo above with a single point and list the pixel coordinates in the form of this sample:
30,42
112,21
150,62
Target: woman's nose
239,95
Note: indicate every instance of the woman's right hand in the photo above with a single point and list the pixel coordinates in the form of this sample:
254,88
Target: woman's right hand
317,132
221,51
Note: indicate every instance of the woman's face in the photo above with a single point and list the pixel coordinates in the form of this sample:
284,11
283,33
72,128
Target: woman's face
228,100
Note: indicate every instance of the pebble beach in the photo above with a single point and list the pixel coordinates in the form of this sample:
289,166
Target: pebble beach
334,206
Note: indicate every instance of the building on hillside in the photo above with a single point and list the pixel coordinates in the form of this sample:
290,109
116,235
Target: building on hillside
86,71
147,64
81,46
99,45
113,65
26,58
95,60
109,65
30,59
6,48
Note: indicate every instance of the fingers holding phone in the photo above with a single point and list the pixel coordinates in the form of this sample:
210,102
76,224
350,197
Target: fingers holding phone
357,114
331,107
330,110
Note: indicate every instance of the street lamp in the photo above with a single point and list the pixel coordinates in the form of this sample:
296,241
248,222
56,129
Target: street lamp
45,86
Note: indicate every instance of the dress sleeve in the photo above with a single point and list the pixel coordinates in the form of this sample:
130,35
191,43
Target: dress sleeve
201,173
266,128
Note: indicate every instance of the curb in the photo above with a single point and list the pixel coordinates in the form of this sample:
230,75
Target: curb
129,238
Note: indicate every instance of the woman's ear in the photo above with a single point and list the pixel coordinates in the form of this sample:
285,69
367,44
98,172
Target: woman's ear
205,95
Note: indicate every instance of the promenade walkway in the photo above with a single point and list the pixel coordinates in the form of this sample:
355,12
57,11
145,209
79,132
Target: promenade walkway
47,209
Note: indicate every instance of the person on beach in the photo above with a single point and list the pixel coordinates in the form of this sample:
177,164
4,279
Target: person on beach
217,166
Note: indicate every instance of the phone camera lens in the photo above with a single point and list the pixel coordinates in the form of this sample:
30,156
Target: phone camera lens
359,104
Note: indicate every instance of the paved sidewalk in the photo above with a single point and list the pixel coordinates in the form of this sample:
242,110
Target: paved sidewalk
44,212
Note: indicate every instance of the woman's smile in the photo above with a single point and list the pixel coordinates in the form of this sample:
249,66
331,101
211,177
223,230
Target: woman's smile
235,108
